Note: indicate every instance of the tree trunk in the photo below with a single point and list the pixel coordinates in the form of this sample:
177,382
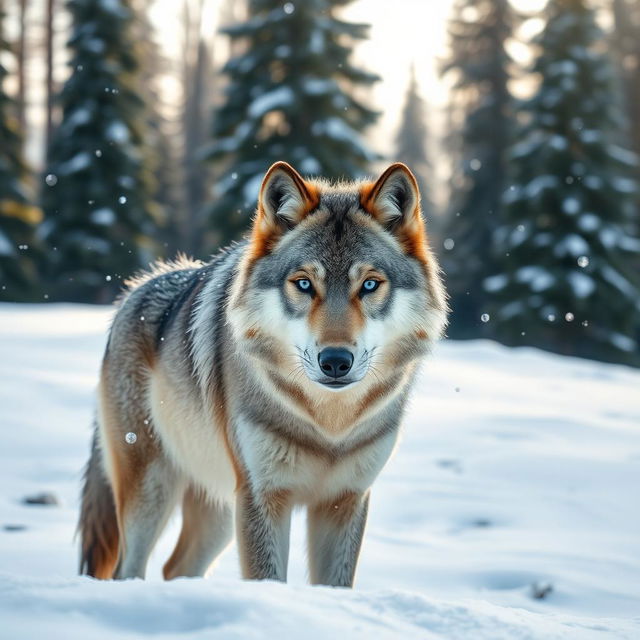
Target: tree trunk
49,75
20,56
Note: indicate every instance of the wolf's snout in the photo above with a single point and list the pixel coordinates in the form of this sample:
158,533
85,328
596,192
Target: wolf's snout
335,362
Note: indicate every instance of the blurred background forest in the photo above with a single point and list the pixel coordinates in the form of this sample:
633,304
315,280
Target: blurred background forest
133,129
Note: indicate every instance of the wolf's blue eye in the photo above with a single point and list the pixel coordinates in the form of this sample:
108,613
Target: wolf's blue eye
304,285
370,285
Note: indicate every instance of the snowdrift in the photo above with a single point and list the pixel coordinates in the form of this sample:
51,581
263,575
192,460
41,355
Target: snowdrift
510,509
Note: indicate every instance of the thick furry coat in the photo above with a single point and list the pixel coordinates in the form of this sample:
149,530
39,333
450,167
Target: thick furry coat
275,375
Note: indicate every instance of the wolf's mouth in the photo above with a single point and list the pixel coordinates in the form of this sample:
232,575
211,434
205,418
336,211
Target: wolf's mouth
335,384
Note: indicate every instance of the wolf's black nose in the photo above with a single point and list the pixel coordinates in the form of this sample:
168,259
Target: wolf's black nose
335,362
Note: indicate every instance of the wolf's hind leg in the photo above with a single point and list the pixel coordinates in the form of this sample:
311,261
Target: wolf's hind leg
207,528
143,512
335,529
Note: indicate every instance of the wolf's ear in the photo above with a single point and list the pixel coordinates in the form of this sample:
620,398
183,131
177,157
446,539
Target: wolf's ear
394,201
284,200
285,197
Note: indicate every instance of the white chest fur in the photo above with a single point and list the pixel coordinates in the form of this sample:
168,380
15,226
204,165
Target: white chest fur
275,462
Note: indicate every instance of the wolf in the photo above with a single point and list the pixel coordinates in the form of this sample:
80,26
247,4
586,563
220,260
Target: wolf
271,377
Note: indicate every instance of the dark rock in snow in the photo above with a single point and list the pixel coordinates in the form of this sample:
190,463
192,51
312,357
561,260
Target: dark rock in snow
539,591
43,499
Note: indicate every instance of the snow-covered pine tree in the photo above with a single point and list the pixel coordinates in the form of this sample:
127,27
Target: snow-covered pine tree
97,203
290,97
412,140
17,215
481,123
564,279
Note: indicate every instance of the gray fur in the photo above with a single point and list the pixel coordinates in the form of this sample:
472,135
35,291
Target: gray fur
178,332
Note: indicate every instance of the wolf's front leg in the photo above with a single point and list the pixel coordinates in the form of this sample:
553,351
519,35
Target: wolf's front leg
335,530
263,526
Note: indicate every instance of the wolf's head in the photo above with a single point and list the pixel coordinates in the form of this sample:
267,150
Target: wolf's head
338,285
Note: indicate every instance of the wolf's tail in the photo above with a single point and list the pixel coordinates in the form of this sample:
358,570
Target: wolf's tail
98,525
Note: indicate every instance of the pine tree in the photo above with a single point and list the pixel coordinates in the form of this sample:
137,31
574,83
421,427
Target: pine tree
290,97
565,280
17,215
481,122
412,140
96,198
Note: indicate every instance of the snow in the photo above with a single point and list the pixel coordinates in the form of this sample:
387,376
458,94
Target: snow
593,182
538,278
622,342
495,283
117,131
79,162
558,142
232,143
623,155
609,236
628,243
80,116
282,51
527,146
563,67
571,205
310,166
572,244
591,136
582,284
112,6
278,98
517,469
251,189
588,222
317,42
624,185
539,184
511,310
339,130
614,278
318,86
6,248
95,45
103,216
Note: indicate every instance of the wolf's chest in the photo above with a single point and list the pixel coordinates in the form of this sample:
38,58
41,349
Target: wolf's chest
276,462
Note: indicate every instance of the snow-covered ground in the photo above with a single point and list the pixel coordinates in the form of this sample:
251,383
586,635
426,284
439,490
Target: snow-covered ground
518,471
